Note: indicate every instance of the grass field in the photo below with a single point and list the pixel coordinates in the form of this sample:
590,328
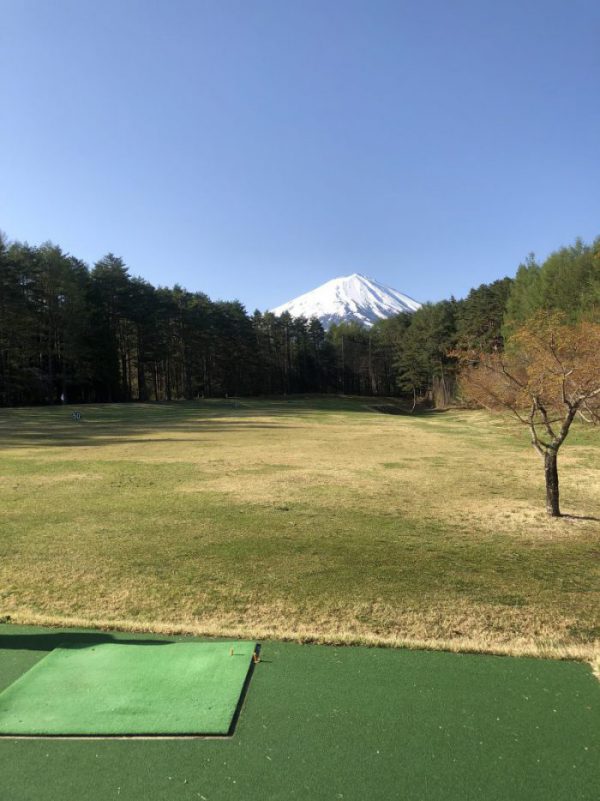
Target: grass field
315,519
326,723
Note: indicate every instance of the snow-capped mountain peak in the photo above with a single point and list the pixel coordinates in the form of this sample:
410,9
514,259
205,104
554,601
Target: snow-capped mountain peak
350,298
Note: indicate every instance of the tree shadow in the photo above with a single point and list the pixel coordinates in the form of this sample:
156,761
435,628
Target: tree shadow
129,423
123,423
125,432
581,517
48,641
423,411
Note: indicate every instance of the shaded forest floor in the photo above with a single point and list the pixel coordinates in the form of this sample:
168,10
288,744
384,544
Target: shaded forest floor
311,519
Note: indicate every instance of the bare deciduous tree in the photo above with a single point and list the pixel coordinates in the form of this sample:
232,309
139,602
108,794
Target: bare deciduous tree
548,375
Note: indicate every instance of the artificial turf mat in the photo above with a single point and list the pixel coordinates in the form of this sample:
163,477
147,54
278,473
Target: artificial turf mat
338,724
116,688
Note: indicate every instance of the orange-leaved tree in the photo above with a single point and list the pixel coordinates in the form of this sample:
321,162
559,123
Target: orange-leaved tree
547,375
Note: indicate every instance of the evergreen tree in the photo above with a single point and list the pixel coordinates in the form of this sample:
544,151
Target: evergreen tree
480,316
568,282
102,335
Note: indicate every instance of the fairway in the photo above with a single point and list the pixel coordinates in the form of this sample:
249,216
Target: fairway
347,723
117,688
308,518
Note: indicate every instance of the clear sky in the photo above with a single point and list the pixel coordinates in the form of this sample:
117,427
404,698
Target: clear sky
253,149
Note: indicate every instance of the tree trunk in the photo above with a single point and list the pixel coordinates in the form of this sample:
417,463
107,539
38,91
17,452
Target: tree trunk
141,377
551,474
371,372
155,377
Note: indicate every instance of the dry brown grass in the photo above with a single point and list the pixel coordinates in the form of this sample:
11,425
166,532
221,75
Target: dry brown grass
299,521
323,630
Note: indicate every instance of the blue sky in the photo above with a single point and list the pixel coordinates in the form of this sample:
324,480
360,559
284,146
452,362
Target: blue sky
255,149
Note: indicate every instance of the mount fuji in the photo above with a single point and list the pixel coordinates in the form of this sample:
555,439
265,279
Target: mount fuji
350,298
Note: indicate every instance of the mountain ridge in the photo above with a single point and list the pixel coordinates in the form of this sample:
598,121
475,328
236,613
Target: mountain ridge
349,298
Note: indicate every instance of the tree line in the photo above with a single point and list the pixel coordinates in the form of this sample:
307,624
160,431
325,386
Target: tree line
79,334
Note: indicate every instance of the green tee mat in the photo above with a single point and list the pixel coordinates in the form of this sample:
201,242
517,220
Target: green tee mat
129,689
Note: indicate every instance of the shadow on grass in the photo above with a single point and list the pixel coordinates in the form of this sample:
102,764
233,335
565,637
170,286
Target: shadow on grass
390,408
106,424
48,641
581,517
123,433
130,423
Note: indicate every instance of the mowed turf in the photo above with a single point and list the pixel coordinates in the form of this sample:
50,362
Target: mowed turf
117,688
349,723
310,518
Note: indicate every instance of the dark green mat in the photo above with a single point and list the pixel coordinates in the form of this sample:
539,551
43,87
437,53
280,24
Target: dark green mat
128,689
322,723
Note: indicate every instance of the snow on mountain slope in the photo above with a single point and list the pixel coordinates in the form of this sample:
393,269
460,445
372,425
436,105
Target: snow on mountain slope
350,298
